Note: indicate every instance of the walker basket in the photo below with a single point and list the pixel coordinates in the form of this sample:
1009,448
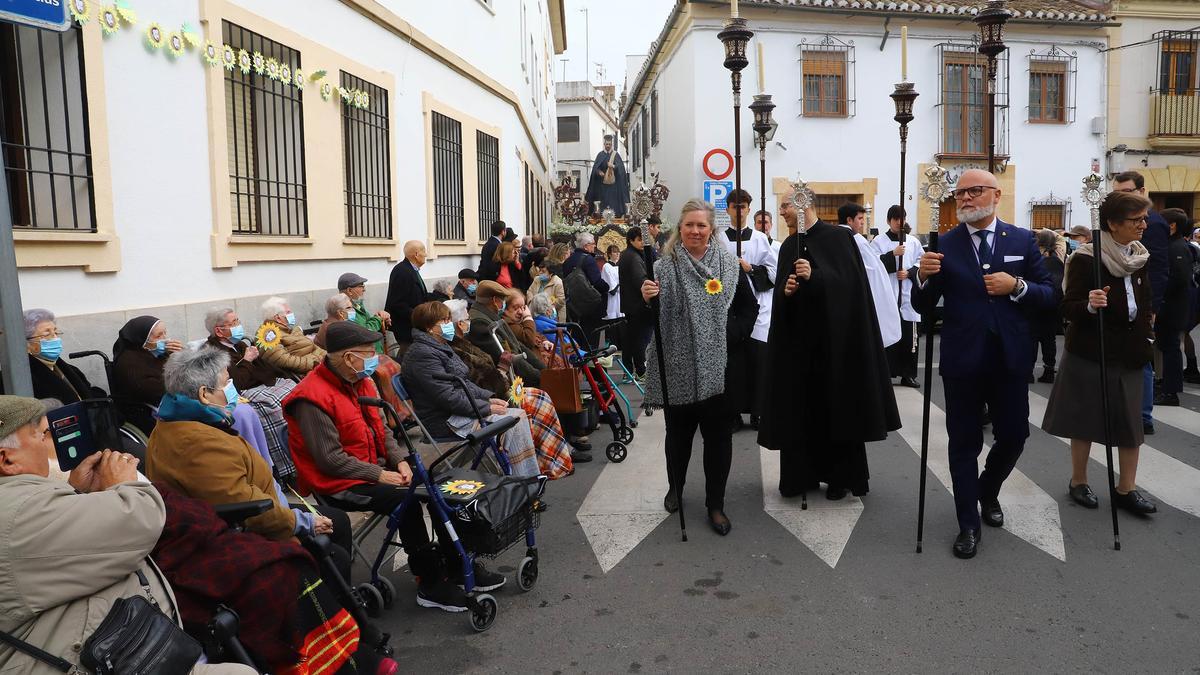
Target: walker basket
491,512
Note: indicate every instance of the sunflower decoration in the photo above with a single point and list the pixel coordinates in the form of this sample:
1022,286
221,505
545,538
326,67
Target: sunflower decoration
298,78
260,63
228,57
317,75
326,91
366,100
244,60
346,94
461,487
125,12
268,336
175,44
359,98
516,393
285,74
110,21
212,55
155,37
190,36
80,11
272,68
713,286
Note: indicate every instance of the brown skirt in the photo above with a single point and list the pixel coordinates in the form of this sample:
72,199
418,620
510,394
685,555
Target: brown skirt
1074,409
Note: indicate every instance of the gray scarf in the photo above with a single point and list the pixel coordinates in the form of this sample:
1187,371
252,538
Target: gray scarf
1117,260
693,322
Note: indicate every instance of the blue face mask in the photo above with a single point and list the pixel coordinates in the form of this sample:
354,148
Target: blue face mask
448,332
554,314
503,306
237,333
368,368
291,319
351,314
231,396
51,349
544,278
471,288
160,348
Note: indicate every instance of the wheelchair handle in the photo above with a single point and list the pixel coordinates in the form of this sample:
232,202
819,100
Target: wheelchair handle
90,352
492,430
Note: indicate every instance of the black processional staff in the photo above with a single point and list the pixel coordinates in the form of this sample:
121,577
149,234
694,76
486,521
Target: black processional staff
1092,195
655,309
802,199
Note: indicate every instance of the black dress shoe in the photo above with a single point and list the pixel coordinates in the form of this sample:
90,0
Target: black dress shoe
738,424
719,522
1047,376
966,544
1148,428
834,493
1134,502
1191,376
992,514
671,502
910,382
1167,399
754,421
1083,495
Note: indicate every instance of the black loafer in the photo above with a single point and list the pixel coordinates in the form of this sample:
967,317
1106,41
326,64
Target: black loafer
1148,428
1166,399
1047,376
991,513
910,382
719,522
671,502
1083,495
834,493
966,544
1134,502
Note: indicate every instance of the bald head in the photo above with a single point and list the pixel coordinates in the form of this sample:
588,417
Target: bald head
972,177
414,252
976,196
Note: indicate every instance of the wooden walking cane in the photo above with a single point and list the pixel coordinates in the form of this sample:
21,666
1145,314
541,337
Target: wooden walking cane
655,308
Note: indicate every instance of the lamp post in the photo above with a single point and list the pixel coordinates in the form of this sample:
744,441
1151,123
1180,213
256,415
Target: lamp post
903,96
764,130
991,44
735,37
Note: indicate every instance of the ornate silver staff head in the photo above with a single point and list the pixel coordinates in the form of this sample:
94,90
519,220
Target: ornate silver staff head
802,198
1093,194
937,185
642,205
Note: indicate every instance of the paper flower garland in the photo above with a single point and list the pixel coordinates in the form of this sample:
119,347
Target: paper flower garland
80,11
190,36
285,74
154,36
299,78
175,45
272,68
713,286
244,61
326,91
211,56
228,58
109,21
125,12
259,62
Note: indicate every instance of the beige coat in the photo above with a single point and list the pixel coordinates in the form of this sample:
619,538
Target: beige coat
295,354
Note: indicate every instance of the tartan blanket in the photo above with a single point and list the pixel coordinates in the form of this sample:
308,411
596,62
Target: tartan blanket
553,450
268,403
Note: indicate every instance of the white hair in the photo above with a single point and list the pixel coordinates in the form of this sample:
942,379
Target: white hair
458,309
336,303
446,286
33,317
540,305
274,306
188,370
583,239
215,317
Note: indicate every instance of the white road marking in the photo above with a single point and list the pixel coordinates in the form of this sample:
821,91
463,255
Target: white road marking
825,527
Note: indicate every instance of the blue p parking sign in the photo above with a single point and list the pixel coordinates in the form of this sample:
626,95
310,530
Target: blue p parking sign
50,14
715,193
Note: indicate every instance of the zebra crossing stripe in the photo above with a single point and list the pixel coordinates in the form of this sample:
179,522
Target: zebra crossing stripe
825,527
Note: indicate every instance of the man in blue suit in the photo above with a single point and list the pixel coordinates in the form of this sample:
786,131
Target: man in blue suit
986,270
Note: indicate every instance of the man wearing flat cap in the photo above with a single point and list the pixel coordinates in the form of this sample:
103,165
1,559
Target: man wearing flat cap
344,452
490,300
468,281
354,286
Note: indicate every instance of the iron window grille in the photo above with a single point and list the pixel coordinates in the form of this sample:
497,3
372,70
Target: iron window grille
962,101
528,175
1052,82
826,77
1051,212
448,214
487,161
1177,62
827,205
636,147
646,133
568,129
367,149
654,119
44,129
265,120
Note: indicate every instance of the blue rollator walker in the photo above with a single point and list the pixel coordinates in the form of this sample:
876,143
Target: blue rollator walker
483,514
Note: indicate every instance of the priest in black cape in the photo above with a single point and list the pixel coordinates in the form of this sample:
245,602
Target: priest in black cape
828,391
615,195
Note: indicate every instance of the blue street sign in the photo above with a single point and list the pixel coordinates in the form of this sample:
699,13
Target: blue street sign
715,193
50,14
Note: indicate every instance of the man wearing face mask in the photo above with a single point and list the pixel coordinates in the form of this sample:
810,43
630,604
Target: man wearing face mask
492,300
468,281
354,287
344,452
289,350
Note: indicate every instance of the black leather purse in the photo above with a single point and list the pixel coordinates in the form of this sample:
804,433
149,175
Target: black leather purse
136,638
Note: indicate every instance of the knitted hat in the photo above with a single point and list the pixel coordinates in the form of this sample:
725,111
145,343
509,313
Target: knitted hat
342,335
17,411
486,290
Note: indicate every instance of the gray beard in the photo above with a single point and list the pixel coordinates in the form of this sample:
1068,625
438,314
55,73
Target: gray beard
975,214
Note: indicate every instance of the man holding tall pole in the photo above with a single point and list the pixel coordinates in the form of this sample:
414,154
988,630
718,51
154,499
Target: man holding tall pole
900,252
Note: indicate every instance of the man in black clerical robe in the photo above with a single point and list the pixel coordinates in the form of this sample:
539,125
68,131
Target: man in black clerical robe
612,196
827,389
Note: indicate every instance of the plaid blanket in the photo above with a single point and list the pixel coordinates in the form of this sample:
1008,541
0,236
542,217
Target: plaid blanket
553,450
267,402
331,644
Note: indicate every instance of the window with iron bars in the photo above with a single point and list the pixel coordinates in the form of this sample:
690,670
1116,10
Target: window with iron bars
367,147
1177,62
265,137
962,101
827,206
1051,213
448,214
1052,84
44,129
487,161
827,78
654,118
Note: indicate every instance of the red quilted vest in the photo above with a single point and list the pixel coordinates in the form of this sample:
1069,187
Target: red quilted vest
360,427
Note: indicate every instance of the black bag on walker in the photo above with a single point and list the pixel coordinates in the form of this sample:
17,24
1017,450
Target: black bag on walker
491,512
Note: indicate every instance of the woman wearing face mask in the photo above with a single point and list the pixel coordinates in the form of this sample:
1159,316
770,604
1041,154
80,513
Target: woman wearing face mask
141,349
546,282
53,377
291,351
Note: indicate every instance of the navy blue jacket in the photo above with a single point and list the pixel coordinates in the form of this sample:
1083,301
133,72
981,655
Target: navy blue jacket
970,314
1155,240
581,257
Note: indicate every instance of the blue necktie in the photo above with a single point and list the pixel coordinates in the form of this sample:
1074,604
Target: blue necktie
985,250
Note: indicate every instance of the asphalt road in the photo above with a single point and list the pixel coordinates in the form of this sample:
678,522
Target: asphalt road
762,600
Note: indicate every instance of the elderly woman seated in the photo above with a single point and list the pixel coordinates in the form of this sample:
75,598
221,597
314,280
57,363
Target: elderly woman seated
520,322
545,319
546,280
283,344
196,452
555,454
102,522
489,332
53,377
141,349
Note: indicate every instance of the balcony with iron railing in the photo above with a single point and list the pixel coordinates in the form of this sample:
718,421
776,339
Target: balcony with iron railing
1175,119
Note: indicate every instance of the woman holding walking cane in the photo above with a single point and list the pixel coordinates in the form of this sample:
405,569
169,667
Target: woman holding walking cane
700,290
1124,302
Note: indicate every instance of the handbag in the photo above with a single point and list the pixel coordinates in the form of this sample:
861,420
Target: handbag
562,383
136,638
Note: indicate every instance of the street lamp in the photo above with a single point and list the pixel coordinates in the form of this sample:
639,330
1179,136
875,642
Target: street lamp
735,37
991,44
764,130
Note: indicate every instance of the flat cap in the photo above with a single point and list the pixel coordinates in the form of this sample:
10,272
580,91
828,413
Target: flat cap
346,334
1079,231
17,411
467,273
350,280
486,290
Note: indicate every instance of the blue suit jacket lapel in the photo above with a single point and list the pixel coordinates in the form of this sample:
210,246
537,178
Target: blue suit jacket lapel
1001,245
971,260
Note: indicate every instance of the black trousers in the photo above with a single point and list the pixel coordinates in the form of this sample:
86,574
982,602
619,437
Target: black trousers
902,356
638,333
341,537
383,499
716,428
1043,336
1167,341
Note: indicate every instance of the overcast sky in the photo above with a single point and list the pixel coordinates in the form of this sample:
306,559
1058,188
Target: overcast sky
617,28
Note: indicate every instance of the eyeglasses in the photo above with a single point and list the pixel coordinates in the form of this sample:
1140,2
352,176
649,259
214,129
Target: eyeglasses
47,336
1126,190
1137,220
973,191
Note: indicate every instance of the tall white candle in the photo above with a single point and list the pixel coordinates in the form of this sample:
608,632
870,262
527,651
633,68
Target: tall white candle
904,53
733,10
762,73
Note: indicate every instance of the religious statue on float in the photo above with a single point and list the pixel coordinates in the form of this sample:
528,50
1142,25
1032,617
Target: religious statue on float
608,183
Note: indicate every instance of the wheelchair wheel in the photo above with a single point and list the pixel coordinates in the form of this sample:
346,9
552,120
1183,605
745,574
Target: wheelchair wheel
527,573
483,612
372,599
387,591
616,452
647,411
625,435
